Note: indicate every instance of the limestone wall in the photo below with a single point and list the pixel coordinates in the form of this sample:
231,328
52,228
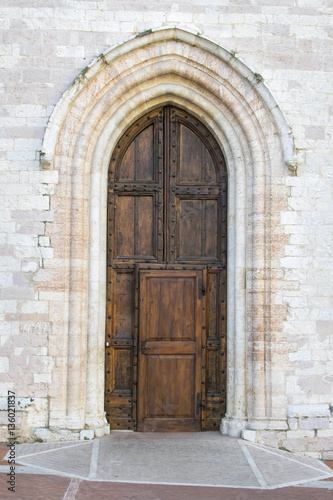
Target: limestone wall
43,48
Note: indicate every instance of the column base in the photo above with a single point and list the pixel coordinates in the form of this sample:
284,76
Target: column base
232,427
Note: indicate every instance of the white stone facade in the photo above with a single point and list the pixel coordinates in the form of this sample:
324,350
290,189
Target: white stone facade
269,120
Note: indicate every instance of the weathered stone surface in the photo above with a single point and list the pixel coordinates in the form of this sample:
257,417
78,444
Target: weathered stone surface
87,434
249,435
313,423
49,435
314,410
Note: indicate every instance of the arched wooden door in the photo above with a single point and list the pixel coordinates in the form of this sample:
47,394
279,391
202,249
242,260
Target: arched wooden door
166,283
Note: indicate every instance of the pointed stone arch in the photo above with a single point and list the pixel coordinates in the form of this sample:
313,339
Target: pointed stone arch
167,66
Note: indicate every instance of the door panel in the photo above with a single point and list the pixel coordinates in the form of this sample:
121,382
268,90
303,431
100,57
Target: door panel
138,162
123,304
119,346
124,225
170,351
196,164
171,313
165,400
134,221
167,212
196,237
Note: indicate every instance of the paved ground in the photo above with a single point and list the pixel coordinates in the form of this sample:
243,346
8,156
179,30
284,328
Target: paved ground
184,466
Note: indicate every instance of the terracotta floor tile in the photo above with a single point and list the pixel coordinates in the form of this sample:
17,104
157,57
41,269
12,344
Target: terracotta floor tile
121,491
34,487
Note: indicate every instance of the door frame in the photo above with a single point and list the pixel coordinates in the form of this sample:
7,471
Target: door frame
212,187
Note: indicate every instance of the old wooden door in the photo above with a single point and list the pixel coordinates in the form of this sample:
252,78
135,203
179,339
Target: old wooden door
170,350
166,292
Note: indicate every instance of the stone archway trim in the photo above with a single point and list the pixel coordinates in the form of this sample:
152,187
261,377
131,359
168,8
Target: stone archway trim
159,36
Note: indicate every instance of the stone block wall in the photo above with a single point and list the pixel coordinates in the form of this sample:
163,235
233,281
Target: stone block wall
43,48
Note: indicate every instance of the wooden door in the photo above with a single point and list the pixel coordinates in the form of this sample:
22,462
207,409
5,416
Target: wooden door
167,213
171,316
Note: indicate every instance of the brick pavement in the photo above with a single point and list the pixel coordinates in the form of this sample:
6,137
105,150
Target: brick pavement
35,487
120,491
3,452
43,487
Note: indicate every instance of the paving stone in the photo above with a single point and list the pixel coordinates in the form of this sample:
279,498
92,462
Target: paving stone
70,460
151,456
176,459
283,469
206,459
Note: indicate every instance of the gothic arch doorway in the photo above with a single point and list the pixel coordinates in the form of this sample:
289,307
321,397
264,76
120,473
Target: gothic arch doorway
167,65
166,276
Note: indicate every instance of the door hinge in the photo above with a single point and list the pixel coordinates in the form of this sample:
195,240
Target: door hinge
200,403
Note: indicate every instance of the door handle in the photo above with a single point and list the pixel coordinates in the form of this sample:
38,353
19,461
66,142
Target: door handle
143,346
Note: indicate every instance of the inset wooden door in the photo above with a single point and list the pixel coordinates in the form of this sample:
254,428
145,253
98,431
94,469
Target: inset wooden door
169,378
167,230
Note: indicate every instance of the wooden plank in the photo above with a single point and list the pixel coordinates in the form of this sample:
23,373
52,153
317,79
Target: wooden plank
169,425
144,154
147,238
189,232
123,303
211,223
190,164
172,348
124,224
126,172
